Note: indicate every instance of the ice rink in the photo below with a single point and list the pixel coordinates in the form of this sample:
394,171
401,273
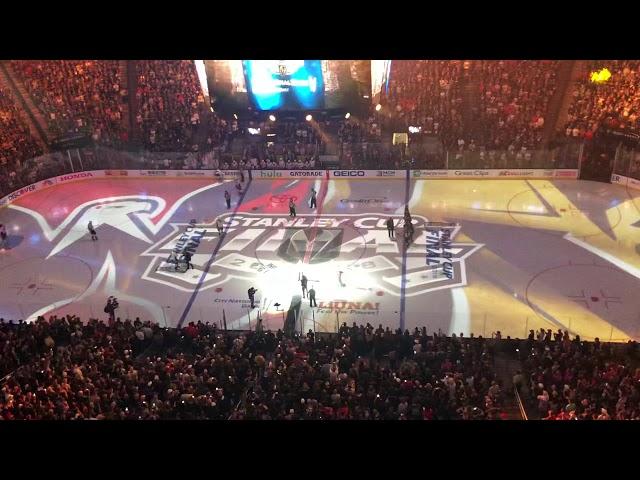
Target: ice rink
487,255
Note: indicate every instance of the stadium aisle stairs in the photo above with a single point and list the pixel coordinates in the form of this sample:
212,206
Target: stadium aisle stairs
505,367
135,134
558,105
126,110
577,68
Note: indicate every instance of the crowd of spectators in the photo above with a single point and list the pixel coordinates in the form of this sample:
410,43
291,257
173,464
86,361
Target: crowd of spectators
426,94
79,96
17,146
171,108
480,114
514,96
493,108
365,373
69,370
615,103
66,369
568,379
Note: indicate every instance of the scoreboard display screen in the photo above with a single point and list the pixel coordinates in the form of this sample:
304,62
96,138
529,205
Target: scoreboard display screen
288,85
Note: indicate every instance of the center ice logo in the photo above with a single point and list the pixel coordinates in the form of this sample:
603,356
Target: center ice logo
256,245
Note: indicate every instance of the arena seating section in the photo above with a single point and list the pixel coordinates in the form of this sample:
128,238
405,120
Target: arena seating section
616,103
64,368
86,96
17,146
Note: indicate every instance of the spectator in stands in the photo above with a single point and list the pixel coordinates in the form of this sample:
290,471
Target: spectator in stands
615,103
135,370
17,146
78,96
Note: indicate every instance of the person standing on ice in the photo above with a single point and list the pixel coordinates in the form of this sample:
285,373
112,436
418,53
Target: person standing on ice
227,198
219,226
313,203
292,208
173,258
312,297
252,296
186,256
391,228
92,231
3,236
303,283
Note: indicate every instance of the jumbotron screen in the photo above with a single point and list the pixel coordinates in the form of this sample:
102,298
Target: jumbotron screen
288,85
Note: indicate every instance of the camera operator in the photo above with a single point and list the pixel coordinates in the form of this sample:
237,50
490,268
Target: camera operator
110,308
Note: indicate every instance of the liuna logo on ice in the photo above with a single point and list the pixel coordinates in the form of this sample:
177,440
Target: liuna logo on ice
346,306
337,249
116,173
348,173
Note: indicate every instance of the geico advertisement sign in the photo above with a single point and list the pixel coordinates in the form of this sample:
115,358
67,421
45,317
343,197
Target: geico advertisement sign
348,173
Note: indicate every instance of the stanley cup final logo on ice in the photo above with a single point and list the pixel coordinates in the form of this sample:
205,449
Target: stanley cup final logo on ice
332,247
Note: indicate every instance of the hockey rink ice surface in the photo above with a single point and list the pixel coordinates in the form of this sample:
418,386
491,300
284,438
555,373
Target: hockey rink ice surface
487,255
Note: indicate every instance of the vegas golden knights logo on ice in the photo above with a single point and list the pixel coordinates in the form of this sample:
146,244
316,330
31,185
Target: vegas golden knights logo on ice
257,245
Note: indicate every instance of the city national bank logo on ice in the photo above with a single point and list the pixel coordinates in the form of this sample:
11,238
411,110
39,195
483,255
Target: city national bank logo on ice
334,251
